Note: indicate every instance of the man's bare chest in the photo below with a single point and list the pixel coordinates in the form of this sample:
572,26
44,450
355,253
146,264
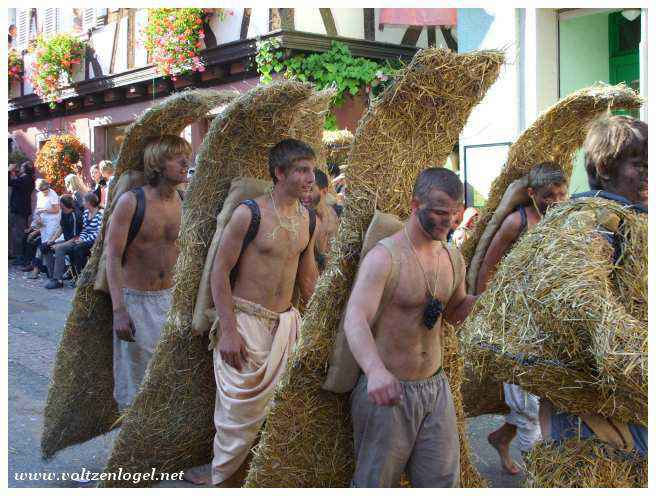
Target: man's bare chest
414,288
159,225
281,240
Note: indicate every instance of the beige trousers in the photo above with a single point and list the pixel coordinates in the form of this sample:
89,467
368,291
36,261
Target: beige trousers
243,397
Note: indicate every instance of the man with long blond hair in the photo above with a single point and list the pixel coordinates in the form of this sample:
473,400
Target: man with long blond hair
141,252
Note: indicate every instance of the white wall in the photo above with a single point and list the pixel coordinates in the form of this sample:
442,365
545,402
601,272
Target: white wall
496,118
259,22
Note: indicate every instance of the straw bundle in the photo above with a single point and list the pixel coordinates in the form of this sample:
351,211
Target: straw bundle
556,136
336,146
307,440
584,463
561,320
169,426
80,402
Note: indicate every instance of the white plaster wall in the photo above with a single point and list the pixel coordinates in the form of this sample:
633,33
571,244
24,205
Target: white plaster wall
496,118
102,40
121,62
259,24
140,22
349,22
309,20
229,29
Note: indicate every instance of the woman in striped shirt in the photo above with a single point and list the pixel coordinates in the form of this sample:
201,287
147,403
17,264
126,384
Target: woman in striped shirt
80,247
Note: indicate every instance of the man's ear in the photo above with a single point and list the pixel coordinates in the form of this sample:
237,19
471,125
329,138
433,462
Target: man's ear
530,192
414,204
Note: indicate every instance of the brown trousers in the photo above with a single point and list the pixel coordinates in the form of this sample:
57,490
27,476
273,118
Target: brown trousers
418,436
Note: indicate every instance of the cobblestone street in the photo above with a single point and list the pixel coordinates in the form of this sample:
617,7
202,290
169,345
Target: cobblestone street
36,321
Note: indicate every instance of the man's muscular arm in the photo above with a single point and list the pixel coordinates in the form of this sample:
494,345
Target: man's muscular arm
501,243
460,304
117,237
382,387
231,345
308,273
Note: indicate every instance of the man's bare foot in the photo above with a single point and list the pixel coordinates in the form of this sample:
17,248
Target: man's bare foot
200,476
500,441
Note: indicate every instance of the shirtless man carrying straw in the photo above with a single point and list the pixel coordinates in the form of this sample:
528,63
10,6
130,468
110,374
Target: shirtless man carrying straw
266,249
547,186
142,251
402,410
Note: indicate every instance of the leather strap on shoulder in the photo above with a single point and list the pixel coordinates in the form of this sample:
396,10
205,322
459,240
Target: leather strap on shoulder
137,218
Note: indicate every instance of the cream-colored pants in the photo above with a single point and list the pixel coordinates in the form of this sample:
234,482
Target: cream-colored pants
243,397
148,311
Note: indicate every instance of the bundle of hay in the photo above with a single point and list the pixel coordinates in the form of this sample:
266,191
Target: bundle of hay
80,402
560,319
170,424
307,439
555,136
584,463
336,146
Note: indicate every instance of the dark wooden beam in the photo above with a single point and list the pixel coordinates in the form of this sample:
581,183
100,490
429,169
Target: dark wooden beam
411,35
210,37
132,27
431,36
451,42
245,22
328,22
369,24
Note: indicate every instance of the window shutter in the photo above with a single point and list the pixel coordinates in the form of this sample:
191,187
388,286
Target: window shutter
22,28
50,23
88,19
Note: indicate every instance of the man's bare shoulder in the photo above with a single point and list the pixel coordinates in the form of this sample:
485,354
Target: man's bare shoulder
241,217
512,222
378,259
125,205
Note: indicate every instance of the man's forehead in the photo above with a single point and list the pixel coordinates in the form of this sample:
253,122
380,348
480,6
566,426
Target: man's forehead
437,197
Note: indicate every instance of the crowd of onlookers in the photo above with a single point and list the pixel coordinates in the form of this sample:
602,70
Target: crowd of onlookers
53,234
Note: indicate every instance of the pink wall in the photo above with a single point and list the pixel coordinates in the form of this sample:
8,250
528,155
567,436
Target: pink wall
88,126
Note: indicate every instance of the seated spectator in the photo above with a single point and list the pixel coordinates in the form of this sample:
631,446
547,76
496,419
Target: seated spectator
44,224
70,226
76,188
80,247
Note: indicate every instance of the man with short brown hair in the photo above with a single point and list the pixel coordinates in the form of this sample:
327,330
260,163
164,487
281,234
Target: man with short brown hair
402,409
266,249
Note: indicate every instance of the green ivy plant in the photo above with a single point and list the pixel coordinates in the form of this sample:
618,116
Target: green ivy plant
337,68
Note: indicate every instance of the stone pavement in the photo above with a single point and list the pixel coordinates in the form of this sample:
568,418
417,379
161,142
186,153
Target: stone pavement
36,321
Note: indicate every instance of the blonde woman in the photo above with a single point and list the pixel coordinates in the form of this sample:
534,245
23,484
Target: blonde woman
76,188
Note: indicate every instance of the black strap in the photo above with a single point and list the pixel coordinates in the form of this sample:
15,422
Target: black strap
313,221
137,218
524,222
253,227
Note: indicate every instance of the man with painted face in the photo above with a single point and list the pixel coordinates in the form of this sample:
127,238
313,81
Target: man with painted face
617,167
402,410
547,185
316,200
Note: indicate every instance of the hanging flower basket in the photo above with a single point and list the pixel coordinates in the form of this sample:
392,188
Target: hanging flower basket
57,158
54,62
14,66
173,39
